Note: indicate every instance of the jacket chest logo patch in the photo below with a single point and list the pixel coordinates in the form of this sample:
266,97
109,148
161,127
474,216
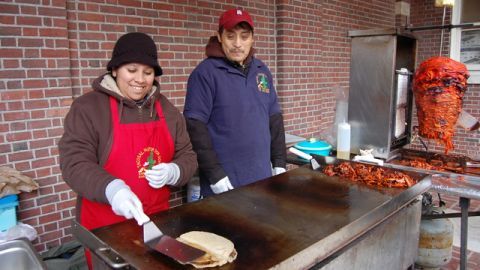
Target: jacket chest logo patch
262,83
146,159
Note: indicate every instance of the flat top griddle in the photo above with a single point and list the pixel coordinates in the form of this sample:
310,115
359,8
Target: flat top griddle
292,220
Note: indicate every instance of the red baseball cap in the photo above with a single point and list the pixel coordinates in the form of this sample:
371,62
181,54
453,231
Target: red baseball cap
232,17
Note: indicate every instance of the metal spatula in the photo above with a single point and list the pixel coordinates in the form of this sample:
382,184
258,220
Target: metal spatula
155,239
313,162
468,121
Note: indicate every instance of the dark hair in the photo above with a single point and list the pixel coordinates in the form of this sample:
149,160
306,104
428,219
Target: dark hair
243,25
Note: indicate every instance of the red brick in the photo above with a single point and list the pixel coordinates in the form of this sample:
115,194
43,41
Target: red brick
18,126
66,224
26,204
32,53
4,19
35,94
45,237
11,64
42,154
14,116
8,42
51,227
32,212
9,9
54,53
33,63
43,172
46,209
41,143
39,134
20,156
33,32
4,148
66,204
46,200
36,104
43,162
28,10
34,73
50,180
15,106
26,20
52,12
12,74
58,92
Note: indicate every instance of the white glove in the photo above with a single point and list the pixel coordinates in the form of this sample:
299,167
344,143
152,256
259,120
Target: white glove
163,174
222,185
278,170
124,202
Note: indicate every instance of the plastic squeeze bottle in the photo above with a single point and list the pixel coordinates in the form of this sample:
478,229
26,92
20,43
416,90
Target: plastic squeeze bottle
343,140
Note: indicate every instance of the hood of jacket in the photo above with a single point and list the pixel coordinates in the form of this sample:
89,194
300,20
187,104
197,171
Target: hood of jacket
107,84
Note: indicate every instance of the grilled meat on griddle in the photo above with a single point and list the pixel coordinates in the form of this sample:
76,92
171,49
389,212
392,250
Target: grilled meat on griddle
370,175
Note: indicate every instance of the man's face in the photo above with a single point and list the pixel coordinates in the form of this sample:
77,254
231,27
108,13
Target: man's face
134,80
236,43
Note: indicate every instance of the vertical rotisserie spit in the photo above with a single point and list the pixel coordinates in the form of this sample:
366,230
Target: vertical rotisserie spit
439,86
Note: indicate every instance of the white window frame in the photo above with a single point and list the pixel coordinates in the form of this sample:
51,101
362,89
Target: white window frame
455,42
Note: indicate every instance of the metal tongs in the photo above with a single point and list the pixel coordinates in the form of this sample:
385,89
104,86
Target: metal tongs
416,136
313,162
473,164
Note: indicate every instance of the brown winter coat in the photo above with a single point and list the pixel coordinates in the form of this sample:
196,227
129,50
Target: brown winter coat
86,142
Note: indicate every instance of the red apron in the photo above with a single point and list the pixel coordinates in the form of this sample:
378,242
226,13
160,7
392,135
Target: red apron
136,147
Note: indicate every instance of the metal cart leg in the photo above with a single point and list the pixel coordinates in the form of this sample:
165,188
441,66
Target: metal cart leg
464,204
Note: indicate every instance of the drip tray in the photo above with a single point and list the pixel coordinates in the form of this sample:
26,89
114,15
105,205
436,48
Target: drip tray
436,162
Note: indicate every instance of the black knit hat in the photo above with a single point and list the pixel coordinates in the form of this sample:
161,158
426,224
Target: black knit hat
135,48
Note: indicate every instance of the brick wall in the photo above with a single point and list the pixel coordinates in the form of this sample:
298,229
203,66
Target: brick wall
35,92
314,56
52,50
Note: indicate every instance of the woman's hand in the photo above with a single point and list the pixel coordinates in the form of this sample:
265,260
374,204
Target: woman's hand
124,202
163,174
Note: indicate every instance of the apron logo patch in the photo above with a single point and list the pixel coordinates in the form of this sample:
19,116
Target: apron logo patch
146,159
262,83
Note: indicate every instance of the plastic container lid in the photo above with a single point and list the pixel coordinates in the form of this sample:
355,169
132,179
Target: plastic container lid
313,145
8,199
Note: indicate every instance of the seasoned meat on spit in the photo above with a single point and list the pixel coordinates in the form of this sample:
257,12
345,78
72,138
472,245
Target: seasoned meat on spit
439,86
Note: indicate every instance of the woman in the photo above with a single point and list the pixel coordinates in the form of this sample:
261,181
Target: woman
125,143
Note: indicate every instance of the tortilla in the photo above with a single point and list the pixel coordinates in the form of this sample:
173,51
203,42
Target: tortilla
219,250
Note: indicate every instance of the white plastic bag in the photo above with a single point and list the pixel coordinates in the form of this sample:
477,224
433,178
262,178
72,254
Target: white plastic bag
18,231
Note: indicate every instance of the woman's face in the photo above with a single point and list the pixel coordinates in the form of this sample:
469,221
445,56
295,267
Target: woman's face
134,80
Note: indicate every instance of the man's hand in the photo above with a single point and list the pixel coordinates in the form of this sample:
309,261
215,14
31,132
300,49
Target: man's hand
222,186
163,174
278,170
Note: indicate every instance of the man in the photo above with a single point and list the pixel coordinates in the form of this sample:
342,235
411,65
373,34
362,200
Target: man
233,117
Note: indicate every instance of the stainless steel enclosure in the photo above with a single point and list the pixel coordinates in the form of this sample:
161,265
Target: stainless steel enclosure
380,98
